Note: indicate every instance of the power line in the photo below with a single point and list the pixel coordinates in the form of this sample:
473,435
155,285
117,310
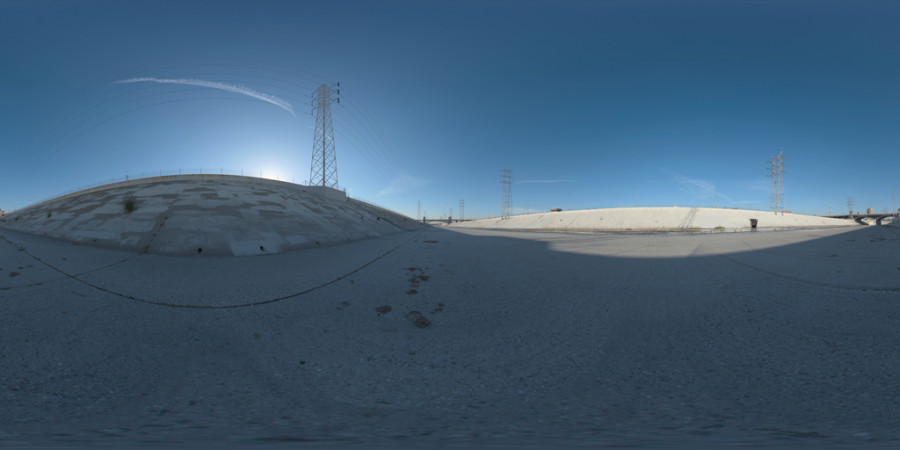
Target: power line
101,101
349,120
375,131
95,105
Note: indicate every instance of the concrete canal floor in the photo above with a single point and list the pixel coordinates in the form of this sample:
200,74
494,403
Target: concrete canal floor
458,338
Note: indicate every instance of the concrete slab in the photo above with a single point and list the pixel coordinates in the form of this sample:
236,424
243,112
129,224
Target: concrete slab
676,340
209,282
655,219
46,260
207,215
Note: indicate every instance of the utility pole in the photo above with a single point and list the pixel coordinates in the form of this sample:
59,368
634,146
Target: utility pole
894,195
776,195
323,169
419,210
506,184
462,208
773,191
850,204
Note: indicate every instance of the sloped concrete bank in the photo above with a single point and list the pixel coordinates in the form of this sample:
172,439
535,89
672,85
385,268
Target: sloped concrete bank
656,219
207,215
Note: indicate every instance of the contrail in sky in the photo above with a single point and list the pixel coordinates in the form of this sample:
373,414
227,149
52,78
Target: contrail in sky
217,85
545,181
696,186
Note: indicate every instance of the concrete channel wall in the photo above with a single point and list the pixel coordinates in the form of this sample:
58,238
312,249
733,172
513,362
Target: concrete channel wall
656,219
207,215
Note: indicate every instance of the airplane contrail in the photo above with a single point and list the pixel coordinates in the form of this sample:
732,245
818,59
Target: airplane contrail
545,181
217,85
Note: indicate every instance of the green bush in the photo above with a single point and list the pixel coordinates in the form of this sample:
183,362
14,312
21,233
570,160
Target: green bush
129,204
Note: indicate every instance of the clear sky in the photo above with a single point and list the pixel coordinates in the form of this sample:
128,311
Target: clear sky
591,104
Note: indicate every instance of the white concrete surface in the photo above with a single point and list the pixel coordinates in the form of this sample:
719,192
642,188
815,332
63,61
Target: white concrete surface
770,339
654,219
207,215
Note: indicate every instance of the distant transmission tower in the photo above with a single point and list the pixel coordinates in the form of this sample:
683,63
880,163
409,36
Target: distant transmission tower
850,204
776,196
323,169
506,182
462,209
894,196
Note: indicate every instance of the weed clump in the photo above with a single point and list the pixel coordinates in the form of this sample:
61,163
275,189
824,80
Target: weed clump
128,204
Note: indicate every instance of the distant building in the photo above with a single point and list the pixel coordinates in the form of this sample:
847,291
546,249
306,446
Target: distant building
556,210
870,211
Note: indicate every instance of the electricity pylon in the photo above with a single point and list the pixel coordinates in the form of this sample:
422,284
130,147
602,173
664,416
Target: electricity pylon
894,196
776,195
462,208
323,169
506,182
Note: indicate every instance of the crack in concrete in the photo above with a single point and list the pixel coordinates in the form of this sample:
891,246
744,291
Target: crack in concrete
173,305
808,282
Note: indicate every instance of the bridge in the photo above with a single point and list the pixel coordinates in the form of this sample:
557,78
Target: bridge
879,217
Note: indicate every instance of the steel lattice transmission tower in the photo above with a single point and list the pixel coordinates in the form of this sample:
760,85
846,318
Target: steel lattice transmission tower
850,205
506,182
462,208
894,196
323,169
776,196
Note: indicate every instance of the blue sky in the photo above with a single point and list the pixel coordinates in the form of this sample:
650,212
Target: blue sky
591,104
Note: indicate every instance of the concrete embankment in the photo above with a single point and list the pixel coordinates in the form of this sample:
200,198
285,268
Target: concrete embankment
656,219
207,215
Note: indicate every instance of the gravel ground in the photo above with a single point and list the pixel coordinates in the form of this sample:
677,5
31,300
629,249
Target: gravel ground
458,338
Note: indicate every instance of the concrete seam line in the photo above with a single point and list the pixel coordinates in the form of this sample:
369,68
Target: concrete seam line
812,283
99,268
54,268
243,305
9,288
